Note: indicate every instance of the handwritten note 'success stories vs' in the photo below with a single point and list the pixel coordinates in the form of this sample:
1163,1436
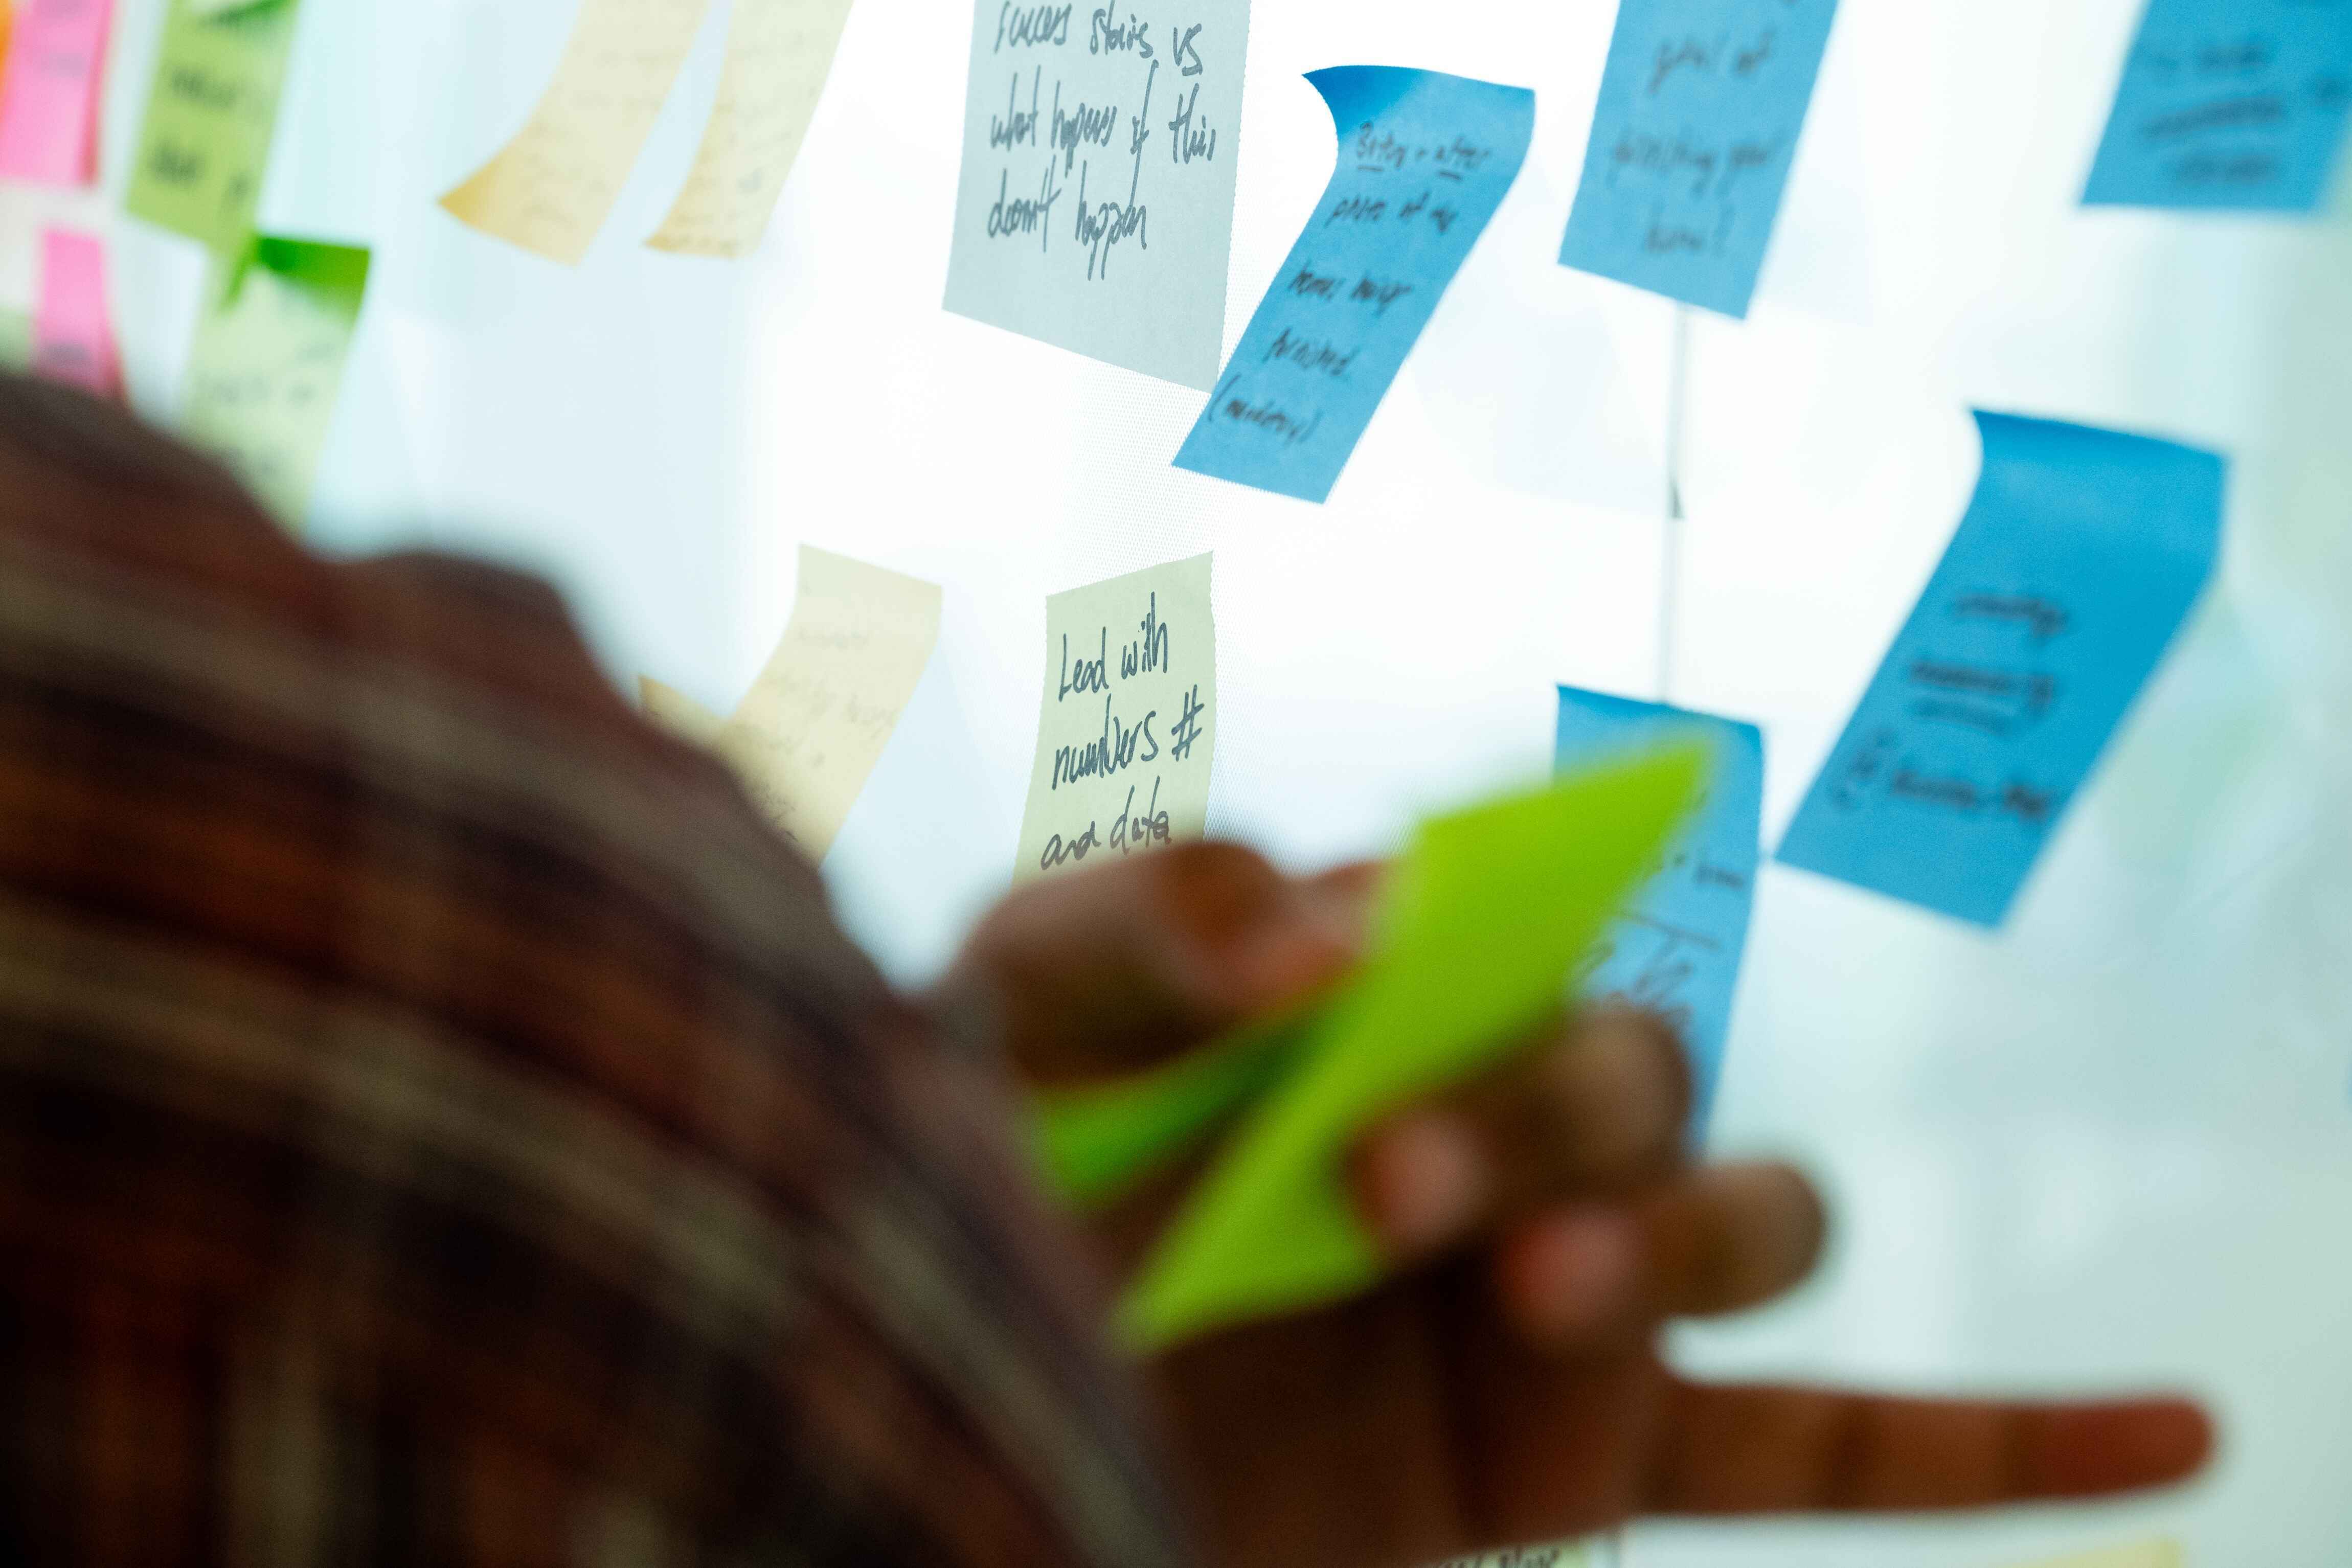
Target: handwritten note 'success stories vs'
1095,210
1700,108
1128,728
2228,104
2079,557
1675,951
1424,160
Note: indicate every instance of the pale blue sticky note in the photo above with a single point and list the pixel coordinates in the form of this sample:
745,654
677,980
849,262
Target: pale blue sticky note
1700,107
2230,104
2080,555
1424,160
1675,952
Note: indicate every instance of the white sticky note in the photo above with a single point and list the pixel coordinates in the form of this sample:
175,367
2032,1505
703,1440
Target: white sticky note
1129,721
1095,206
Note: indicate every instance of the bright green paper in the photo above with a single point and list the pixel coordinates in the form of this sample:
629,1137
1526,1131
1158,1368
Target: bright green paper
267,362
1481,927
210,116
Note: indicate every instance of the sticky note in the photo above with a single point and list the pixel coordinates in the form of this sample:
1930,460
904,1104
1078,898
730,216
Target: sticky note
1701,104
677,713
49,91
73,326
1129,721
2079,557
2156,1554
1424,160
16,340
1480,925
267,364
809,732
1675,950
1095,210
204,145
2228,104
778,52
549,189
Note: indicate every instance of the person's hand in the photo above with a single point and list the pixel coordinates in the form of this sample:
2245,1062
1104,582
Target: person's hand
1506,1386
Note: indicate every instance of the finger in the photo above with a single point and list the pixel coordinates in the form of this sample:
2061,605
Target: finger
1717,1240
1119,966
1763,1449
1596,1110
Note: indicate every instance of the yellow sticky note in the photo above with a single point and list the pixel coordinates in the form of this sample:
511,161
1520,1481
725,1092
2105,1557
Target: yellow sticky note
549,189
778,52
2156,1553
1128,728
677,713
814,723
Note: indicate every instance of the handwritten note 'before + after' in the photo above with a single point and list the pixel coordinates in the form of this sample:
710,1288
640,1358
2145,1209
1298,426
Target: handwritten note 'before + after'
2228,104
211,115
1129,726
1700,107
1095,210
1675,951
2080,555
267,365
1424,160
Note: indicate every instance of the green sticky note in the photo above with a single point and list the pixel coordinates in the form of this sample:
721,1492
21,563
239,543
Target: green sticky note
16,341
1481,926
211,112
269,361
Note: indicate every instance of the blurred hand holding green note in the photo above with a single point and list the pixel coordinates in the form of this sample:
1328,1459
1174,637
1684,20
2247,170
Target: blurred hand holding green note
1480,926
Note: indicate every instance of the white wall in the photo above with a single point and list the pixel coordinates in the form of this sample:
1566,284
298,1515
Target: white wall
2110,1145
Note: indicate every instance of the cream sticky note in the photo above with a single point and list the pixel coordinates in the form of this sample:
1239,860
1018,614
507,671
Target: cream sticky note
1095,210
778,52
73,326
49,91
677,713
1129,726
211,114
267,363
550,188
2156,1554
814,722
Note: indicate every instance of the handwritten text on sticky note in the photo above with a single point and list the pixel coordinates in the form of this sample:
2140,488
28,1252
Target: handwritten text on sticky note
211,114
2080,555
1424,160
2229,104
549,189
1129,726
49,91
1677,951
1692,138
1096,205
267,364
807,735
778,52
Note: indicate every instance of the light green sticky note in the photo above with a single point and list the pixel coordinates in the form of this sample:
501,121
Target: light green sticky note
211,112
16,341
1481,926
268,361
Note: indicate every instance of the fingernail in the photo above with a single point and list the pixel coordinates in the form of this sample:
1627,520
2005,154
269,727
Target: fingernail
1575,1274
1427,1178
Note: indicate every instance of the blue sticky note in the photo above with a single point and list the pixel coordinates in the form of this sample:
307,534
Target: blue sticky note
2228,104
1700,107
2079,557
1424,160
1677,951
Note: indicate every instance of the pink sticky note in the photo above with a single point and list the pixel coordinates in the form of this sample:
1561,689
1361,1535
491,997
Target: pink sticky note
73,331
48,91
